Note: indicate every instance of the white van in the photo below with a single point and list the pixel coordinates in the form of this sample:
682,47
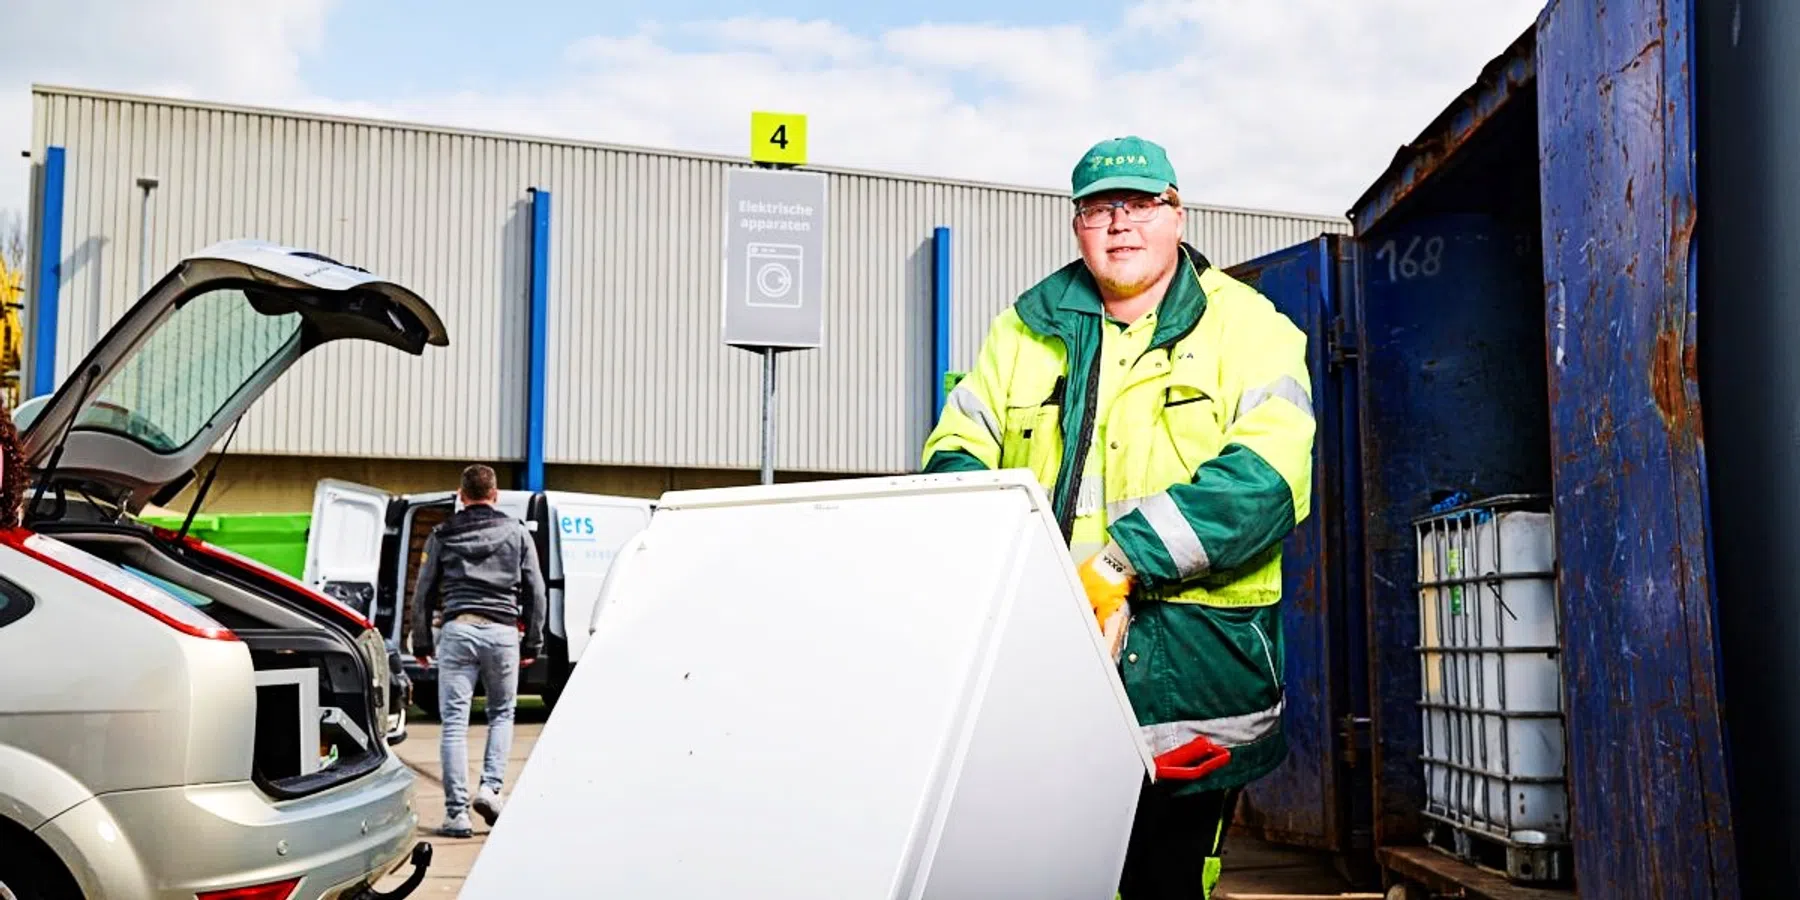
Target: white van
366,545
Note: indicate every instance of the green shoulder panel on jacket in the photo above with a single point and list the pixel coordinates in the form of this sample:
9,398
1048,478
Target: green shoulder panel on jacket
953,461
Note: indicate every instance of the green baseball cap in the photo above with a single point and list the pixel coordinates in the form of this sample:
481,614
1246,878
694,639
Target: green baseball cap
1125,163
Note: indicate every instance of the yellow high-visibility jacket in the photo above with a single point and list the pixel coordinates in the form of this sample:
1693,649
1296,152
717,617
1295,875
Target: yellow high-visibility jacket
1188,441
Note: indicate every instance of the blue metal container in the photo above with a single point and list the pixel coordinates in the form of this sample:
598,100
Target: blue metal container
1646,737
1319,796
1524,303
1454,402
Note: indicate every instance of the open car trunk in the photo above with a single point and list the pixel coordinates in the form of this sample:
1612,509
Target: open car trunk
174,376
320,703
127,428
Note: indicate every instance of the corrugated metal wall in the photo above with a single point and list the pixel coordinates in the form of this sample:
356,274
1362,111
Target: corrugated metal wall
430,210
637,373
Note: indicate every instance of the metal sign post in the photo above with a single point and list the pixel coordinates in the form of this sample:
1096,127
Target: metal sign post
774,257
768,416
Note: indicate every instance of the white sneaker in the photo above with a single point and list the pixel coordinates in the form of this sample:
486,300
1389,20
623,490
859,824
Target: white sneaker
457,827
488,804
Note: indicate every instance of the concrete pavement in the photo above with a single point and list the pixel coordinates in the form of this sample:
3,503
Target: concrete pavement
452,858
1252,868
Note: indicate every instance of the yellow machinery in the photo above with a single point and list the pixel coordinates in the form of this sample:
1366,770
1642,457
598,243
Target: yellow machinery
12,337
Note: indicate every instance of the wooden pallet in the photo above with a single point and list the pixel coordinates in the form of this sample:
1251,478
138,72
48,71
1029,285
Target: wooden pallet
1435,870
1545,866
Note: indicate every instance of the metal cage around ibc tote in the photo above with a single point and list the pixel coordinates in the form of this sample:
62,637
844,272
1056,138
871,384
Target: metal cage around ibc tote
1491,704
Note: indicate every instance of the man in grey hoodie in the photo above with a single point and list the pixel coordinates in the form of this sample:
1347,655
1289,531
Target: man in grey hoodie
483,565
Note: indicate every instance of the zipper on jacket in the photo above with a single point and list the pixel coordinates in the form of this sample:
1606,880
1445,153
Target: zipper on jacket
1065,514
1078,465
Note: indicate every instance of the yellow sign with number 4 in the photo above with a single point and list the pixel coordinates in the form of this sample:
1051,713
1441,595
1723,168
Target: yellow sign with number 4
778,138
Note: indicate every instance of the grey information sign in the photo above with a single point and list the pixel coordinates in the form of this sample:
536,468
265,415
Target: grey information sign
774,258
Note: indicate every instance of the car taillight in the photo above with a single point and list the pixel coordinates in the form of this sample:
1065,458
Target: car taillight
275,890
105,577
245,562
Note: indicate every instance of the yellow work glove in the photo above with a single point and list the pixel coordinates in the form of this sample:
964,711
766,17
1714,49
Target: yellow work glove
1107,577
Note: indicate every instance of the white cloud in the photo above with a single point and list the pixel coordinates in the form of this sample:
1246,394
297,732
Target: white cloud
1057,63
1293,105
789,39
212,49
1297,105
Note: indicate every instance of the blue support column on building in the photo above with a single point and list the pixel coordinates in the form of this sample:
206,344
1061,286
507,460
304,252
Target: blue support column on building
940,319
44,305
540,333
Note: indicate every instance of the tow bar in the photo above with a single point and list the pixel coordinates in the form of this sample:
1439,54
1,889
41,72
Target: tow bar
421,860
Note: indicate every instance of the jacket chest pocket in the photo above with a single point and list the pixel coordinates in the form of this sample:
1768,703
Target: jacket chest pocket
1032,438
1193,418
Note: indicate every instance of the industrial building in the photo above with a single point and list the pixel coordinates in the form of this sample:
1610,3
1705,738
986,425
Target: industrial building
640,395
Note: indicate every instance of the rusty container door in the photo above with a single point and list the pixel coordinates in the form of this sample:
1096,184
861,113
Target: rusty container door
1314,799
1647,742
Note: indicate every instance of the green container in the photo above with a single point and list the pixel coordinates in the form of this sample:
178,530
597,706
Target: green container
277,540
951,379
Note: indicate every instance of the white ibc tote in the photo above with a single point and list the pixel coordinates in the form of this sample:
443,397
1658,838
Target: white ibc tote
848,690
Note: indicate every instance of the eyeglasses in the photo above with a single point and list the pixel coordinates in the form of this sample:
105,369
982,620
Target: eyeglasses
1137,209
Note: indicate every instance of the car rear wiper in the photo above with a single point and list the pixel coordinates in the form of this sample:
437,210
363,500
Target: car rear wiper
62,440
206,484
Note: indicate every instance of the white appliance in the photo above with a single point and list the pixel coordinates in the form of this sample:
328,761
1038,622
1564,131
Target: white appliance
875,688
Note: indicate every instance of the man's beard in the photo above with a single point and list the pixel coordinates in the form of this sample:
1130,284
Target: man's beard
1132,287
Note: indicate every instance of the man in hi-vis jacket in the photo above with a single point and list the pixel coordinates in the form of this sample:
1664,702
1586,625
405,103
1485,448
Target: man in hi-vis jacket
1166,408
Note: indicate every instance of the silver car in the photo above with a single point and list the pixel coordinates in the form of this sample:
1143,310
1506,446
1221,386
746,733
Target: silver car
177,721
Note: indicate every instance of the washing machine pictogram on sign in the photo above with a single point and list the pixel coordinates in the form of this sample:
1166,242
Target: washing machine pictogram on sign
774,275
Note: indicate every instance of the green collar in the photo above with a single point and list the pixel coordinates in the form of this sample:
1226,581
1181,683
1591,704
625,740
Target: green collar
1067,301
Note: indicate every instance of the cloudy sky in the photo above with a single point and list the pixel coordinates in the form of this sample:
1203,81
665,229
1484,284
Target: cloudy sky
1285,104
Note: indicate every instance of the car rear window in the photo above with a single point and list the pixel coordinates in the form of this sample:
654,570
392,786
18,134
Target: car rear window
188,368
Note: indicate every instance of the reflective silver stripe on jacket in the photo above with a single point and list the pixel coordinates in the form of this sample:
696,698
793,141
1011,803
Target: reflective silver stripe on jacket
1088,498
964,400
1171,527
1285,387
1230,731
1177,535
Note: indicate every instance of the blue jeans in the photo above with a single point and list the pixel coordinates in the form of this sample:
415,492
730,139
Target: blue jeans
467,651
